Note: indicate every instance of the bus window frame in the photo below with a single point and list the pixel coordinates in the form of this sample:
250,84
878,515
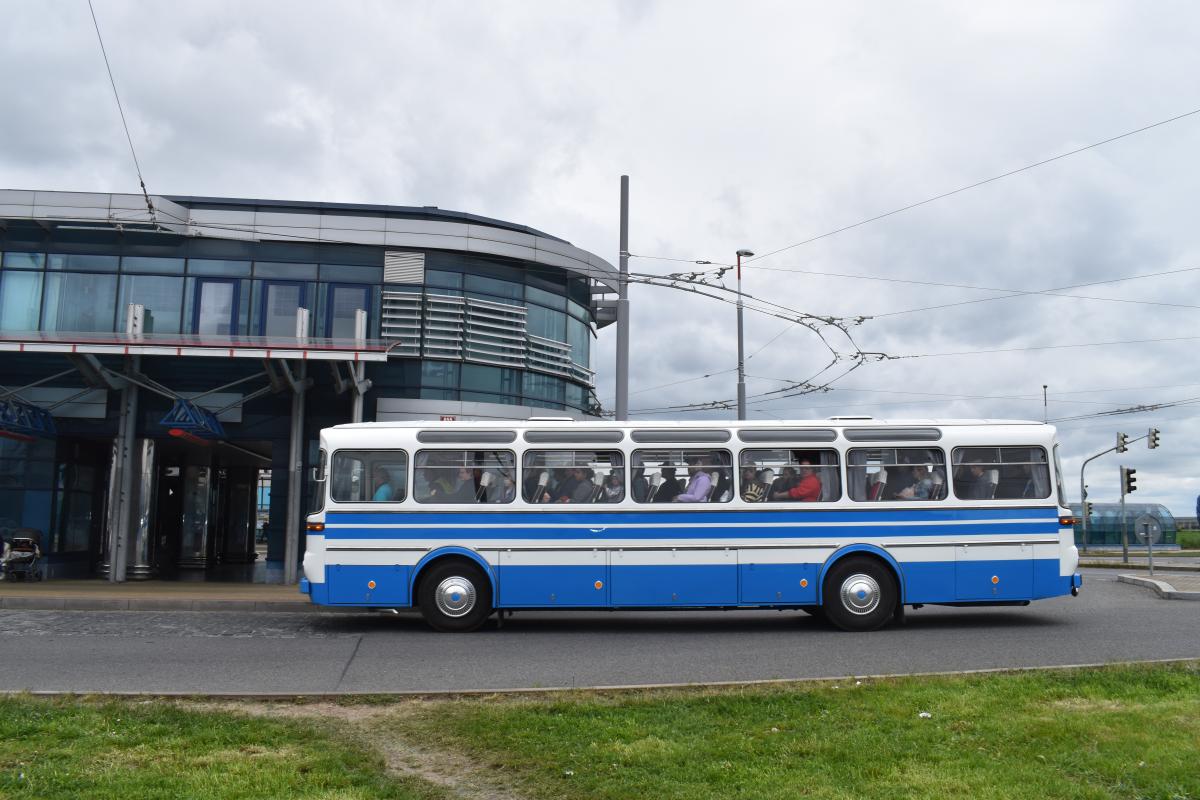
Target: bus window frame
623,466
683,450
515,466
997,465
403,489
946,495
819,469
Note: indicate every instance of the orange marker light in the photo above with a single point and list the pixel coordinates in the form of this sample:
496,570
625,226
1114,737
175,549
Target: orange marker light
315,526
599,584
803,582
995,579
370,584
1067,522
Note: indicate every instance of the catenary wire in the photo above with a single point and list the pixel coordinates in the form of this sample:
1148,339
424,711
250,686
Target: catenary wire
120,109
984,182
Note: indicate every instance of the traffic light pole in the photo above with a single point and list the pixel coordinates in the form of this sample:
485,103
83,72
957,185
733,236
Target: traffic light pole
1123,443
1124,526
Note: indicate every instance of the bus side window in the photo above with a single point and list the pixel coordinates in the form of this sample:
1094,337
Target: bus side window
681,475
465,476
573,476
369,476
1001,473
896,474
790,476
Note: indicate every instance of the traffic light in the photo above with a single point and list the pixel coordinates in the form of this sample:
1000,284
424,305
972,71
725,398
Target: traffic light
1087,508
1122,442
1128,481
1152,438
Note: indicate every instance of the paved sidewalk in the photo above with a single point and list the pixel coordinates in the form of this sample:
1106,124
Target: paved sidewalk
1168,586
99,595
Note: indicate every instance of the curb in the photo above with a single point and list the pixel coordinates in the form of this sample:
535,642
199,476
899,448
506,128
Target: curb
1114,564
551,691
1161,588
163,604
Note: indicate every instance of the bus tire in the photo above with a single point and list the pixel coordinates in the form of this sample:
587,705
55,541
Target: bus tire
454,596
860,594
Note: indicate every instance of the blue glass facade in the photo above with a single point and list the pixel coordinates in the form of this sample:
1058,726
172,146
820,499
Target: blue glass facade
524,330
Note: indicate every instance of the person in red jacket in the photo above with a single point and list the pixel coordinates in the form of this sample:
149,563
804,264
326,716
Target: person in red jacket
807,488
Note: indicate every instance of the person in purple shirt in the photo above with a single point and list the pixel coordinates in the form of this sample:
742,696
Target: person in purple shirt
698,487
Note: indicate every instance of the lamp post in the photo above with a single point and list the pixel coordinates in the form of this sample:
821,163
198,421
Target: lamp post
741,386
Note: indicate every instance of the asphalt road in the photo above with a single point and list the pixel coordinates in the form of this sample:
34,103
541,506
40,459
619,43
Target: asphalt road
227,652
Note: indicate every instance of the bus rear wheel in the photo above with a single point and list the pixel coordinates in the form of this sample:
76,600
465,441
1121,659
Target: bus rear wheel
860,594
455,596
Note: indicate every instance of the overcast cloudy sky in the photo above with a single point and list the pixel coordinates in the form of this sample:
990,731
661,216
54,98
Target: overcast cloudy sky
755,125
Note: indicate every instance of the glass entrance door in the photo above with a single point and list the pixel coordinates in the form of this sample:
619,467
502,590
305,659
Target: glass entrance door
216,307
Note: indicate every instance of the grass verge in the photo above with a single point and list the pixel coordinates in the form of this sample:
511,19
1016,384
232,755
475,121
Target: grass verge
1107,733
1090,733
1188,540
120,749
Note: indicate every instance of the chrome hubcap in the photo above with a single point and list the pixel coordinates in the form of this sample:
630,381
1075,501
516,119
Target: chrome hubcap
860,594
455,596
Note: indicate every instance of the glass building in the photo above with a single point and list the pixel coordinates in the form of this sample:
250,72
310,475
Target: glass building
159,366
1106,524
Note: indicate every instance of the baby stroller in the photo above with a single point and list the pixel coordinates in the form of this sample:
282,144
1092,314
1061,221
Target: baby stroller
19,559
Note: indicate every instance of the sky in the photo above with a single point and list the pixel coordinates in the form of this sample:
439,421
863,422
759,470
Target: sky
752,125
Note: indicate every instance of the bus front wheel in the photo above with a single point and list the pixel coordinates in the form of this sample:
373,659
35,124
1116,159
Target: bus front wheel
455,596
860,594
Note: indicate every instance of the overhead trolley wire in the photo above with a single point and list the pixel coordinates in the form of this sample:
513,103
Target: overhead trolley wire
983,182
120,109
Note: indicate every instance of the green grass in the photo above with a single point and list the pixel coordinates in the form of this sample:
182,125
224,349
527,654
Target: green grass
1112,733
1188,540
1099,733
70,748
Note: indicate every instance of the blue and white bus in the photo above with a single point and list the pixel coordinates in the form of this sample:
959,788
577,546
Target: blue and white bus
850,518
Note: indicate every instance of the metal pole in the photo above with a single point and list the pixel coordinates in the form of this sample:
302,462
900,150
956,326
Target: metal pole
1045,409
1149,547
123,519
291,547
1083,508
623,308
1124,526
741,384
360,369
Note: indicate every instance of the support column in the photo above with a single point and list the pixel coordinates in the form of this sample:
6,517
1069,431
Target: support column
122,518
291,549
360,368
141,554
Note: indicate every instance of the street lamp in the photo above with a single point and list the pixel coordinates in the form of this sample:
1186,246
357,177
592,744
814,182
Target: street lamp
741,392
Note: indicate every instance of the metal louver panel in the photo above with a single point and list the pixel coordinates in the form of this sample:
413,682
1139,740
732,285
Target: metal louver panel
456,328
402,322
403,267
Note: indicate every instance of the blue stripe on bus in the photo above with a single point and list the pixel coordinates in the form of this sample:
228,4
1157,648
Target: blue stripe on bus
705,585
671,534
594,515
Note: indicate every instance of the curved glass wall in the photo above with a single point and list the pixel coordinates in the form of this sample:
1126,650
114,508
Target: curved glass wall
490,330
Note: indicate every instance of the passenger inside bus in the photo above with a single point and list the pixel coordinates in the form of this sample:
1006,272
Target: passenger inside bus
614,489
457,489
576,487
699,485
973,483
805,487
669,488
638,485
785,481
383,486
753,489
921,486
